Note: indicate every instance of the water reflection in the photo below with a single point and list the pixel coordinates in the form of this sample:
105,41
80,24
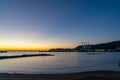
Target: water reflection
94,53
62,62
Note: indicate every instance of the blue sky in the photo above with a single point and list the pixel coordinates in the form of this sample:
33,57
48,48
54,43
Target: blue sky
58,23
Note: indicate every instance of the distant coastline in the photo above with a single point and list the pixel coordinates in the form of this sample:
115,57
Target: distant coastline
113,46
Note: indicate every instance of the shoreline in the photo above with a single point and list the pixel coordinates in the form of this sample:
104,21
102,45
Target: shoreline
89,75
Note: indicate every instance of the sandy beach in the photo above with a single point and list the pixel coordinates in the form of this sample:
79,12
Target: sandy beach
92,75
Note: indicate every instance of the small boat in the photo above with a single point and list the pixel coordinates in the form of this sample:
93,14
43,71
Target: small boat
3,51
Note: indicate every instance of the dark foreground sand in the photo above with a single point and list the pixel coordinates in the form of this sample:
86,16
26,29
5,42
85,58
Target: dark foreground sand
93,75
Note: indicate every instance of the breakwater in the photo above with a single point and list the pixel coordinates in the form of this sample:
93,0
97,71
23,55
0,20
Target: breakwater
25,55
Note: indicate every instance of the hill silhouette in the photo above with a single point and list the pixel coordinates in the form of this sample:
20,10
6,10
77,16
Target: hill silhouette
105,46
109,45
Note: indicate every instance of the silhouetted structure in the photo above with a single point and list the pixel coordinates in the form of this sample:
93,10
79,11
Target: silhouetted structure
62,50
111,47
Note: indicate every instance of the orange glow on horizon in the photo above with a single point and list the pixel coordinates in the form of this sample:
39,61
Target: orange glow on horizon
33,48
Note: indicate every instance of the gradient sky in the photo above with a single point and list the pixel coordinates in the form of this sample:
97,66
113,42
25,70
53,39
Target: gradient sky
43,24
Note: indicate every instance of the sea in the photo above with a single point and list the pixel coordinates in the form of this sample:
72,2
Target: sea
62,62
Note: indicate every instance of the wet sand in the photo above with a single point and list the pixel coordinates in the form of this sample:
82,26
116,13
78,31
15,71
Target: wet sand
92,75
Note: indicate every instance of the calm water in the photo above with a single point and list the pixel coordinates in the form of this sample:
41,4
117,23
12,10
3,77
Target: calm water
62,62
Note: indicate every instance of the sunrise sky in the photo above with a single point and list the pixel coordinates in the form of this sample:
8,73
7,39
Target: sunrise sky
44,24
